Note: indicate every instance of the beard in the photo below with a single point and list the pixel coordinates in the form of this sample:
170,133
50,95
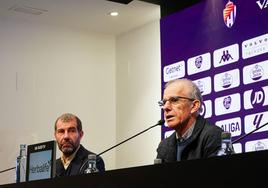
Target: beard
68,147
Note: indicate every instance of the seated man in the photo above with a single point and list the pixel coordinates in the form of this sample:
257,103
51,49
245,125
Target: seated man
194,137
68,133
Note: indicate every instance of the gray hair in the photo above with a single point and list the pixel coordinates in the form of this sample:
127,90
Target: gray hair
194,90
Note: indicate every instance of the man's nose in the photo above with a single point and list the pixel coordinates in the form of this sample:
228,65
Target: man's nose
66,134
167,106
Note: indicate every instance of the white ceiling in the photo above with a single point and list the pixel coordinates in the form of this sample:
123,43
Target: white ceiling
91,15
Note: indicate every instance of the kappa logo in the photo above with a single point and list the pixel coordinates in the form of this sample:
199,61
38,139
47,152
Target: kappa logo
262,4
226,56
229,14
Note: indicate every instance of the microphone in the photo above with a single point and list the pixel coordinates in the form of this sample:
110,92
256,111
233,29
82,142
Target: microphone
160,122
245,135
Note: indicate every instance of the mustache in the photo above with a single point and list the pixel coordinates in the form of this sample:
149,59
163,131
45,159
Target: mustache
67,141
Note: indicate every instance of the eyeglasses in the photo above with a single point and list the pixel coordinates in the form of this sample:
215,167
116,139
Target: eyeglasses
173,100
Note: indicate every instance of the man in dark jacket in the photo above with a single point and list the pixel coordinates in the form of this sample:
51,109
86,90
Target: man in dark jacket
194,137
68,133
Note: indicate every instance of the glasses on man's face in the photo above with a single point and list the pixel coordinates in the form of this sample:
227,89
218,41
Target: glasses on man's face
173,100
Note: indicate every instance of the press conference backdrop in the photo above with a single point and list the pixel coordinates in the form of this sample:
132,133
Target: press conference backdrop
223,47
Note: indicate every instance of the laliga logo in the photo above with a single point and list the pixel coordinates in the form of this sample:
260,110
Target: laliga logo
229,14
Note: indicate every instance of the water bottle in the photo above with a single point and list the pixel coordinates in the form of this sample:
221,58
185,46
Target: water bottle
157,161
92,164
226,144
21,165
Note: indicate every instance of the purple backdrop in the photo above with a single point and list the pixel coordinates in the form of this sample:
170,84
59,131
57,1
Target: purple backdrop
223,47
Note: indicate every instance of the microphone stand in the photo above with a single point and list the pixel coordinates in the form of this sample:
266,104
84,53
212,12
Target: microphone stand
245,135
160,122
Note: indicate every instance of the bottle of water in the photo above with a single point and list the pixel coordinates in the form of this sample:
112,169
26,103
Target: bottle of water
21,165
92,164
157,161
226,144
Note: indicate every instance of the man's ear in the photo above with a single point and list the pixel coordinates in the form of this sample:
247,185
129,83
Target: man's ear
81,133
196,106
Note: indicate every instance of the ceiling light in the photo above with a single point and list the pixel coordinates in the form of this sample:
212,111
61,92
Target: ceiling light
113,13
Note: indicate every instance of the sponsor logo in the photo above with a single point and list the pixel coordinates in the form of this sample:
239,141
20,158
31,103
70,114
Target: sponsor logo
227,101
229,14
231,125
40,168
255,72
256,145
255,46
39,147
262,4
198,63
174,71
226,55
227,104
201,86
227,80
254,121
204,85
256,98
259,146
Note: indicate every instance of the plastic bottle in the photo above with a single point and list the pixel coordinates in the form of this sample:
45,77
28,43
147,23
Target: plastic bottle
226,144
21,164
92,164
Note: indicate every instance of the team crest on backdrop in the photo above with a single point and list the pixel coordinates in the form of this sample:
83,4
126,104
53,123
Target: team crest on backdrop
229,14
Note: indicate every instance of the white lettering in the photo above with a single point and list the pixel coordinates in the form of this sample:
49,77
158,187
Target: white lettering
258,97
262,5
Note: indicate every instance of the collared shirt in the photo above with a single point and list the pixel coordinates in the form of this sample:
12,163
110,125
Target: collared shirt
182,141
67,160
187,134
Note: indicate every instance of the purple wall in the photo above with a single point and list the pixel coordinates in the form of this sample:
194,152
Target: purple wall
227,57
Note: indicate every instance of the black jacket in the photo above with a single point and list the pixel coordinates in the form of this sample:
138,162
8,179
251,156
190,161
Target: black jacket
204,142
75,166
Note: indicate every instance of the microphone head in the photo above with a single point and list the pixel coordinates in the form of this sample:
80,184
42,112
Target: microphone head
161,122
